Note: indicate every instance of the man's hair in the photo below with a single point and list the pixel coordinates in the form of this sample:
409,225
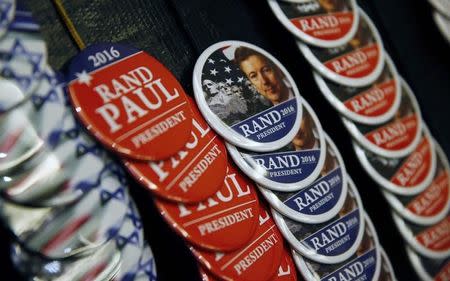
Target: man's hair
243,53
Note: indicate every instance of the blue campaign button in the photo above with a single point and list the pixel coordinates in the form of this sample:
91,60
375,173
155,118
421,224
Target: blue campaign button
292,167
329,242
364,264
247,96
321,200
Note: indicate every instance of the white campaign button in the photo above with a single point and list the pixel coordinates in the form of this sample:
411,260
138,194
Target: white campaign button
292,167
247,96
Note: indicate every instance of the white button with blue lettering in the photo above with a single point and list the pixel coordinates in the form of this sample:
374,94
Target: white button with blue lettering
333,241
247,96
292,167
365,264
321,200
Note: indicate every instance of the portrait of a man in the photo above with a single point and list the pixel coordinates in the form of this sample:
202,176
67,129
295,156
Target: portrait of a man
264,75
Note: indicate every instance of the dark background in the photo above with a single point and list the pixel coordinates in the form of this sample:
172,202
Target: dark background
177,31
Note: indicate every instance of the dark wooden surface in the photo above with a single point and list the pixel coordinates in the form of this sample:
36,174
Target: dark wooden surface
177,31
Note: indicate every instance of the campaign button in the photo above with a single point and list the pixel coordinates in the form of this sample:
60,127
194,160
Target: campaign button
129,101
430,241
247,96
429,269
75,229
408,175
7,12
396,137
23,58
103,262
19,140
432,204
194,173
357,63
386,271
223,222
323,24
365,264
321,200
286,270
258,260
292,167
330,242
370,105
28,121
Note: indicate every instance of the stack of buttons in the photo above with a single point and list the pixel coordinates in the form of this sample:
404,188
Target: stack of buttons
382,115
136,108
441,16
64,200
276,139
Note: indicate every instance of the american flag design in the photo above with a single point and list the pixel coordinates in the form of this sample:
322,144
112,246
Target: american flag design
237,102
230,95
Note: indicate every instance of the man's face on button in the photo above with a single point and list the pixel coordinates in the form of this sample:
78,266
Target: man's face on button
263,76
328,5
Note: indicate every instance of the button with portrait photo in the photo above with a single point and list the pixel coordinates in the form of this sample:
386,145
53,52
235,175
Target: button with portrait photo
247,96
321,23
433,203
371,105
357,63
398,136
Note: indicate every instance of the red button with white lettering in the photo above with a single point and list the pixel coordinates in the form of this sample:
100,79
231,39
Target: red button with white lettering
429,241
432,204
223,222
396,137
194,173
408,175
357,63
129,101
320,23
258,261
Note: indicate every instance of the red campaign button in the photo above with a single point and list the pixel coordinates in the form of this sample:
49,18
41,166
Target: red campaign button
129,101
437,237
223,222
194,173
258,261
286,270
